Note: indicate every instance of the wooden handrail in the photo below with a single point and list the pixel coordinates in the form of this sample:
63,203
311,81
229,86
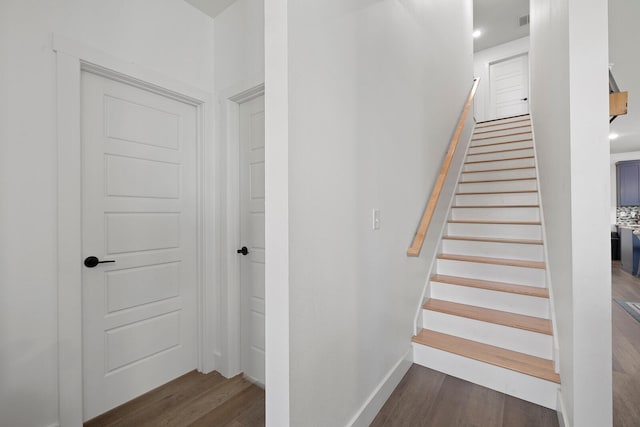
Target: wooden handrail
418,240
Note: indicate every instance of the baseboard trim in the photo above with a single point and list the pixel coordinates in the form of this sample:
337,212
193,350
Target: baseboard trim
379,396
562,411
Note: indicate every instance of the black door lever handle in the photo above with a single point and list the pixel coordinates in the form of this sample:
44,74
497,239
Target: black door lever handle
243,250
92,261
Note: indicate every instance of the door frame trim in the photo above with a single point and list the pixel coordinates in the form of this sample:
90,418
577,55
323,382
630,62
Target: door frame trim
72,58
230,293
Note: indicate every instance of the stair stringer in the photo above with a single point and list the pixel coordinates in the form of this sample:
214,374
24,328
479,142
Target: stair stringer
560,400
552,310
440,217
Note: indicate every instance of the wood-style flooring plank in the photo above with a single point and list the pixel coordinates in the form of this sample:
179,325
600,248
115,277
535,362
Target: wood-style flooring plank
187,399
453,397
402,409
626,350
427,398
521,413
485,407
161,399
230,410
189,412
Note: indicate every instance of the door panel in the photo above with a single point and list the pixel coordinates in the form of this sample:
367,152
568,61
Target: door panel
509,82
252,198
138,209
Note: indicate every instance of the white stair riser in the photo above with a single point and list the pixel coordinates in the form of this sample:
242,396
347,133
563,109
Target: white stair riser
506,146
495,300
504,123
497,214
514,339
493,249
497,199
522,386
502,130
501,174
478,187
499,164
493,272
474,157
503,231
483,140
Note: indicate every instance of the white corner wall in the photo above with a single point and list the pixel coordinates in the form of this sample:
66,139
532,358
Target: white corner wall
481,61
239,66
168,36
373,96
570,114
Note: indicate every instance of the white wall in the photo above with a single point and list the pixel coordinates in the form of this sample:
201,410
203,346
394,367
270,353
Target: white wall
569,106
481,61
239,46
239,66
371,109
168,36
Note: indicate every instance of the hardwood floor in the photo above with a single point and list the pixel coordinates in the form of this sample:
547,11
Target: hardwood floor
626,350
429,398
195,400
423,398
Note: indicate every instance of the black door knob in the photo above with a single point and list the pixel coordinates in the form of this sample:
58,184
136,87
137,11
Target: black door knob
524,99
92,261
243,250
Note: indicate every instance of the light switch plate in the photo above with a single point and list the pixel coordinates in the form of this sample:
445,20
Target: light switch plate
376,219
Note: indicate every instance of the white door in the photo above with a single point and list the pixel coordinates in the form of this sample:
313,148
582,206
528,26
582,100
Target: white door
252,236
509,82
138,209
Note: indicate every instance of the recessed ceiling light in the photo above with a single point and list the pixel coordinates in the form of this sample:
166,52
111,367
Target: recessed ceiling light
476,34
613,135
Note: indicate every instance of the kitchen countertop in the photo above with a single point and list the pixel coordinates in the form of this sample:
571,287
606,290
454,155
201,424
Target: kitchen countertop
631,227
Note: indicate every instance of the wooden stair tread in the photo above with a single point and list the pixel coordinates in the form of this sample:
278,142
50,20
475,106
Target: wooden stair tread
504,318
507,359
503,118
500,143
503,129
496,261
484,138
473,221
498,180
501,151
495,206
533,291
471,193
499,170
494,240
499,160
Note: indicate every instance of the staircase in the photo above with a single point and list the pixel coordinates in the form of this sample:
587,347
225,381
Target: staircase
488,317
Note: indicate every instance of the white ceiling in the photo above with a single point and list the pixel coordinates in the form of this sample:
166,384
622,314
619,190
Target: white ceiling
211,7
498,21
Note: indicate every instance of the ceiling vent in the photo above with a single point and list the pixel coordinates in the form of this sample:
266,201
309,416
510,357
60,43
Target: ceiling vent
524,20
